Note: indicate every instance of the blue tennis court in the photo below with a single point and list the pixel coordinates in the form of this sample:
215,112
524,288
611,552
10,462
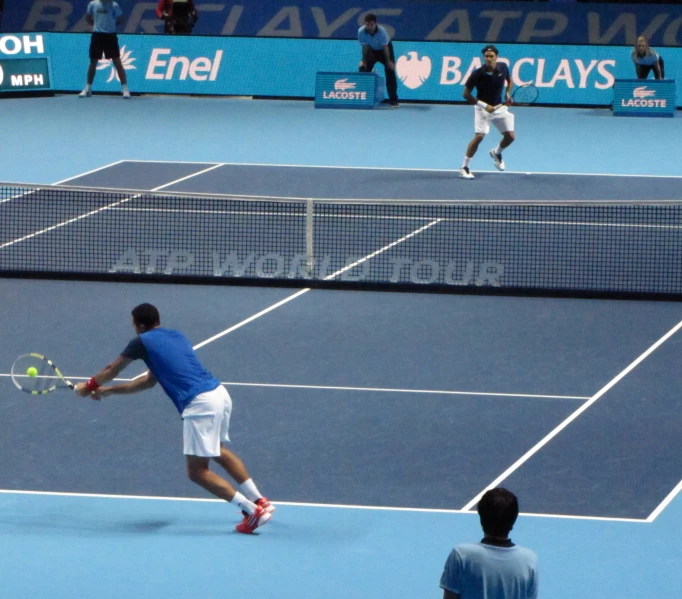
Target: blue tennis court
374,420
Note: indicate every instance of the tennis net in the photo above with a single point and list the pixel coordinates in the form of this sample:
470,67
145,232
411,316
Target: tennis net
535,247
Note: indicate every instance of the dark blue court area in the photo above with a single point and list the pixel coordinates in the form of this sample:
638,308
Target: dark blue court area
373,420
302,182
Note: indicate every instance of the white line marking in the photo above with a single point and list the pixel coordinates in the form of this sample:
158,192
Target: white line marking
251,318
399,168
308,505
101,168
97,211
21,195
665,503
16,197
303,291
424,391
540,444
366,389
381,251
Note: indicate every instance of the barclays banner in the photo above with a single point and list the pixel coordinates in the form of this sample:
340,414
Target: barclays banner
427,20
428,71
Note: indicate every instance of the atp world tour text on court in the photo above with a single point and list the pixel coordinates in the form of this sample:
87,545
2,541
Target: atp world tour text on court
302,266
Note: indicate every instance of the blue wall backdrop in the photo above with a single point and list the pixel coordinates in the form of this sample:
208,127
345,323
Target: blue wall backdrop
433,20
430,71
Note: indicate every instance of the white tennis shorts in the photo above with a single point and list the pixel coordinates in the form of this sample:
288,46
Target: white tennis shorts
206,423
502,119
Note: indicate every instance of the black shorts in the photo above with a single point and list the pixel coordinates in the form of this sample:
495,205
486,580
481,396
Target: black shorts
104,43
643,70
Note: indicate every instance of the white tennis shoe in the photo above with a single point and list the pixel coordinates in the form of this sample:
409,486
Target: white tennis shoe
497,159
465,173
86,93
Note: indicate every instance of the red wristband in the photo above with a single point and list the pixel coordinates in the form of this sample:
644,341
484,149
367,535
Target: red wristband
92,384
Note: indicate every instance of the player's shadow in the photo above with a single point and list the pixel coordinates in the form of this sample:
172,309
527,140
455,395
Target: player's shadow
61,524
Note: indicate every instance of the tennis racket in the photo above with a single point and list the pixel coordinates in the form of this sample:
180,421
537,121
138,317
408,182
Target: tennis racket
45,378
524,95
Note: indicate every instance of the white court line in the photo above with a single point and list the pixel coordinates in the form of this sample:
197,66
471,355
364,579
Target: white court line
665,503
101,168
251,318
21,195
308,505
540,444
303,291
97,211
364,389
427,170
422,391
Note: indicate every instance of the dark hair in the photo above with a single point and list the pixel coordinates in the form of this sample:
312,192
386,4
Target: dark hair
370,17
491,48
498,510
146,315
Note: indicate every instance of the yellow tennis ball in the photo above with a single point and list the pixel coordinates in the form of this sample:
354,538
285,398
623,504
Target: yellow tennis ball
32,371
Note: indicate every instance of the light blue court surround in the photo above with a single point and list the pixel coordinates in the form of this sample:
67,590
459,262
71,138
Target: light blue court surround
49,139
61,547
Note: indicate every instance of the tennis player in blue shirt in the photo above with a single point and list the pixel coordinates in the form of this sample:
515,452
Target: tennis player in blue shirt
203,403
104,16
377,47
646,59
495,568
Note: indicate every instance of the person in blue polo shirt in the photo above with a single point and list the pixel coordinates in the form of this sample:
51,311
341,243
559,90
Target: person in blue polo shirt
377,47
646,59
495,568
104,16
489,81
203,403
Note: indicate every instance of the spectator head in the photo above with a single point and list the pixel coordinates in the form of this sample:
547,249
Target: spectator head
498,510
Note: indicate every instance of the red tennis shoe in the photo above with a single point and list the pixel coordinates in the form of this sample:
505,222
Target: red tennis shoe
252,521
264,502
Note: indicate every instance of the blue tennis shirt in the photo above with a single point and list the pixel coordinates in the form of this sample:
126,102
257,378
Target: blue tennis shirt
104,13
376,41
172,360
651,57
482,571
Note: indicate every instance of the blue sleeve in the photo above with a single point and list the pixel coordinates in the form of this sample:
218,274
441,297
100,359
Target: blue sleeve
451,572
91,9
135,350
385,38
507,74
361,32
118,11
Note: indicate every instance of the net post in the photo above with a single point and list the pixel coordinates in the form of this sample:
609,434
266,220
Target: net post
309,249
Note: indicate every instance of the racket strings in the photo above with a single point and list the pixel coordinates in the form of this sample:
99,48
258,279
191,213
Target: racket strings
526,94
46,377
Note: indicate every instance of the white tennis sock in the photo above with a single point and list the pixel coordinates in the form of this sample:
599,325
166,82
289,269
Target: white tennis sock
250,490
88,87
466,162
498,149
124,87
243,503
